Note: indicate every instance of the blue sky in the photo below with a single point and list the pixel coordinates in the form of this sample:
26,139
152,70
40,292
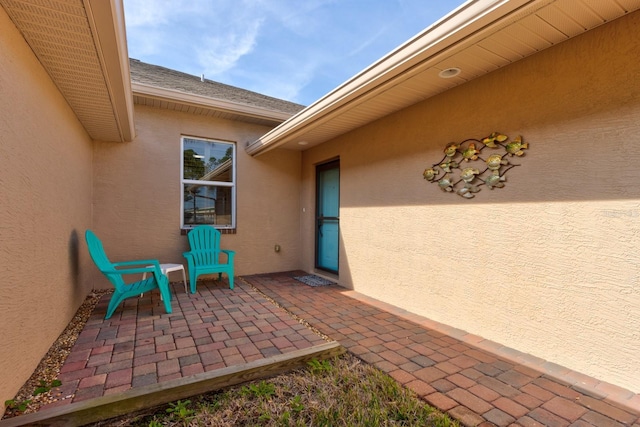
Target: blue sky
298,50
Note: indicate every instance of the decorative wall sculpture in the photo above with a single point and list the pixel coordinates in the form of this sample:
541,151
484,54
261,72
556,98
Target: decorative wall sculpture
465,168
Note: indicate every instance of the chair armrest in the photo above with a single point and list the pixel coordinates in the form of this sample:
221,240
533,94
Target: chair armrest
150,269
230,254
145,262
191,255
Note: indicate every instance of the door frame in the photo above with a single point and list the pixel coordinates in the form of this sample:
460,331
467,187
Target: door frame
321,167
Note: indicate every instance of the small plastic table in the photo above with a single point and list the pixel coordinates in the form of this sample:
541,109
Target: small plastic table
168,268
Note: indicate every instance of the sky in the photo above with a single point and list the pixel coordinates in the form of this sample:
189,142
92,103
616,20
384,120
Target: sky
297,50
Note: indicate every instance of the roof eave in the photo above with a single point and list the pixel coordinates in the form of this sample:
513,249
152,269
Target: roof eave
170,95
106,20
435,41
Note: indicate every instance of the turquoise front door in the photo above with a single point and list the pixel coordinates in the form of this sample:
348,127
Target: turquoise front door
327,215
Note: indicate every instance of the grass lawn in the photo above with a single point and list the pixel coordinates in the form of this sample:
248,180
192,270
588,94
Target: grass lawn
342,392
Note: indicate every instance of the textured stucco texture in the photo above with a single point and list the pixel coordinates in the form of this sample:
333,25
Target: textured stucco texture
137,194
45,205
549,264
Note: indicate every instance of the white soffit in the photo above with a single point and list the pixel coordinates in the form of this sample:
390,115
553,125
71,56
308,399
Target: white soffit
479,37
82,46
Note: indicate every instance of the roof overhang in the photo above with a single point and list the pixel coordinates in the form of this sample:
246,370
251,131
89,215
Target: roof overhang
170,99
82,46
478,37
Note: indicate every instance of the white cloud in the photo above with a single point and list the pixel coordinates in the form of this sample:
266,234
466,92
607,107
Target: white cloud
304,18
140,13
290,85
371,40
295,50
220,52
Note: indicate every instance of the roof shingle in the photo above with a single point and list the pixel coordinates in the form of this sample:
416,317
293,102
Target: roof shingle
166,78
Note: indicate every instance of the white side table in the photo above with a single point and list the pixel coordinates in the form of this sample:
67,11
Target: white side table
168,268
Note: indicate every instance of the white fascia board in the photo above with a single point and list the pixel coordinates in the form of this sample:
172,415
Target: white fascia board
436,40
106,20
171,95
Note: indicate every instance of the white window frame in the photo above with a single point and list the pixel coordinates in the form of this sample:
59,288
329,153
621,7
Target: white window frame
232,184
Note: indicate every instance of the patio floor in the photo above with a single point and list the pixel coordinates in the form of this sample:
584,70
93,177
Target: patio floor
477,381
219,333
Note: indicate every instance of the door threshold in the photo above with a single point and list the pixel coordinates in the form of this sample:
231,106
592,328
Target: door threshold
327,275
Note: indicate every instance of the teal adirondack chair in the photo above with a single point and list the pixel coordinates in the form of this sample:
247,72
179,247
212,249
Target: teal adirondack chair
204,256
115,275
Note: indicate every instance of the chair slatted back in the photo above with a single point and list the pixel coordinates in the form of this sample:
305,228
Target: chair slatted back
99,257
205,242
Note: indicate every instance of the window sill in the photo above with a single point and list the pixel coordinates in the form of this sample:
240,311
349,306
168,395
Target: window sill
184,231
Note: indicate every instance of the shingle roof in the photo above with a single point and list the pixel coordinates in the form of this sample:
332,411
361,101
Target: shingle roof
166,78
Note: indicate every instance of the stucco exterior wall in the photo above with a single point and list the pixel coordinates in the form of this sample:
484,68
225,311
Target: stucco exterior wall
548,265
45,205
137,194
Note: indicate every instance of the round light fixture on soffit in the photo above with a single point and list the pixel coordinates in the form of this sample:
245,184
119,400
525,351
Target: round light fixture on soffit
303,143
449,72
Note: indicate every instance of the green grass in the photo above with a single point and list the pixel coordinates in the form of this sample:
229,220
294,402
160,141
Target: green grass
342,392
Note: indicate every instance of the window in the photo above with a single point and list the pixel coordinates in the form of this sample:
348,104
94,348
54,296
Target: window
208,183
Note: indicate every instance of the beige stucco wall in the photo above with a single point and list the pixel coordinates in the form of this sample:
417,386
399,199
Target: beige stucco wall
45,194
548,265
137,194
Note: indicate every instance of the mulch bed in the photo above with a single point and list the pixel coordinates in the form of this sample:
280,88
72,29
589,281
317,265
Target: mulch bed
49,367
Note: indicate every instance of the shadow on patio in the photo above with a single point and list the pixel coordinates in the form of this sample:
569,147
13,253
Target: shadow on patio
218,337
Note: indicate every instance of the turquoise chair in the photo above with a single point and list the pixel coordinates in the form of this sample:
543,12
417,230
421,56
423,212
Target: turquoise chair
115,275
204,256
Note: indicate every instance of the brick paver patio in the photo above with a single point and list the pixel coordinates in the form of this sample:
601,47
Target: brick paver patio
478,382
141,344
